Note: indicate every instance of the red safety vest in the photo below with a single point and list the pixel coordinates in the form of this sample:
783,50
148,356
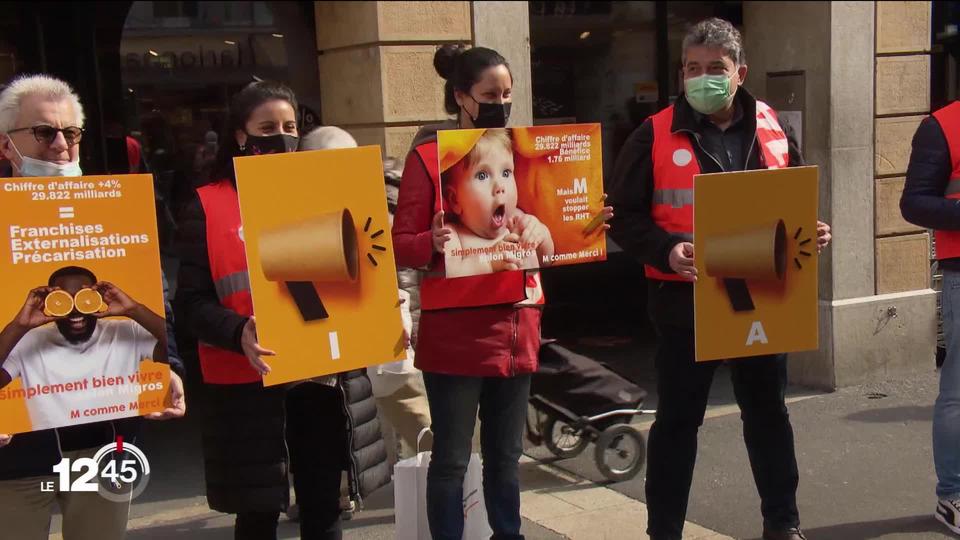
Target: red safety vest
675,165
228,268
948,242
473,291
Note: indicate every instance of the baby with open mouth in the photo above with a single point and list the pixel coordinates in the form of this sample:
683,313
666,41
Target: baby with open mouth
490,234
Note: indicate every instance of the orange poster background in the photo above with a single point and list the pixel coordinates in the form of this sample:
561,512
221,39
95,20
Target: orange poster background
137,274
726,203
540,171
283,189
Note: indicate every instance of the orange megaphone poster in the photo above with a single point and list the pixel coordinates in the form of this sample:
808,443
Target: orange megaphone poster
755,238
82,302
521,198
320,258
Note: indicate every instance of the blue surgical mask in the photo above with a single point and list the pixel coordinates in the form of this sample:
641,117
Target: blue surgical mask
37,167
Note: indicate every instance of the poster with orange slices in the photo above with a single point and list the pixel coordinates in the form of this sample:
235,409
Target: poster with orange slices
320,258
82,309
521,198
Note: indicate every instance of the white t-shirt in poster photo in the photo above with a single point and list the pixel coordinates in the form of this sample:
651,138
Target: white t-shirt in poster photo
44,357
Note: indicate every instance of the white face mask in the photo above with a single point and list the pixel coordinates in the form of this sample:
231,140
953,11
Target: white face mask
37,167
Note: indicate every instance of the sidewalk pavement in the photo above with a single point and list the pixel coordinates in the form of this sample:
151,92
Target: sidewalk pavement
555,505
864,455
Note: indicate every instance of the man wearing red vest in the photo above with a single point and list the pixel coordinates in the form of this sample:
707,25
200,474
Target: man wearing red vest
931,199
715,126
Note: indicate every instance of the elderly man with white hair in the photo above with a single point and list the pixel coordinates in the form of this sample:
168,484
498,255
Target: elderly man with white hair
41,125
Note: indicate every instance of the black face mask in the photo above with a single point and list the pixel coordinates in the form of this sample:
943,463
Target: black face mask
490,115
270,144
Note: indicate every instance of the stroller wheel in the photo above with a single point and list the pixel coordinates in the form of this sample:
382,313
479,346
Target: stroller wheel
562,439
620,452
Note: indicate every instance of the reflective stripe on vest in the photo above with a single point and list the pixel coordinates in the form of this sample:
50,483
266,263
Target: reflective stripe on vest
675,164
231,284
474,291
948,242
228,268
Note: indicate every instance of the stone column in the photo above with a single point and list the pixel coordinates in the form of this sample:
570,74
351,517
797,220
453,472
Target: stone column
377,79
376,66
877,314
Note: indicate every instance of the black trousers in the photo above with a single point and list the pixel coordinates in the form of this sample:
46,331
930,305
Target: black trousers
683,386
317,440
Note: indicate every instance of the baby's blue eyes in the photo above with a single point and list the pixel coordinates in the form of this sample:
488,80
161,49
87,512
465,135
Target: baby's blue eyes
483,175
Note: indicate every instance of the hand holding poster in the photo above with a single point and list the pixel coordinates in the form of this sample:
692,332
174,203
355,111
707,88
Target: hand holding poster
81,347
521,198
756,292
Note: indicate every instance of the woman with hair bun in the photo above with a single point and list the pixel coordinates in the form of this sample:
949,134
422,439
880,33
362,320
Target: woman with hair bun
479,336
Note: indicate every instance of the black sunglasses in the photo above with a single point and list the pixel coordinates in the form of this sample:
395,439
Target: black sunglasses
47,134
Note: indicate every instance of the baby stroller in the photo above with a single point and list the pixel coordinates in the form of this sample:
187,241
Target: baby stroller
578,401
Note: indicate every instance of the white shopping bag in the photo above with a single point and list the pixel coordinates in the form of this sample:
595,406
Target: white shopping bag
410,498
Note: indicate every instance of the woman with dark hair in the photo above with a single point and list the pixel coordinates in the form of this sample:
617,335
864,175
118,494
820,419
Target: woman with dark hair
478,336
251,433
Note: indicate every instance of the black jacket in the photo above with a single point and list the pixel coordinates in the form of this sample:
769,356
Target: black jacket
928,173
245,454
631,195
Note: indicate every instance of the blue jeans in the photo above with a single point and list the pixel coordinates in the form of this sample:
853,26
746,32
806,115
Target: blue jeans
946,412
454,401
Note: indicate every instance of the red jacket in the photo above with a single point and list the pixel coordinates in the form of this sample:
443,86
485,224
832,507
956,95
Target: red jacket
489,341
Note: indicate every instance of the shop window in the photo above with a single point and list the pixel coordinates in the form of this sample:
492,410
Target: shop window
945,57
174,9
182,61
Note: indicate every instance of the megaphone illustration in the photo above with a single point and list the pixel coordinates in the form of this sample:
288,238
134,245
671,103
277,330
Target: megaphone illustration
320,249
758,253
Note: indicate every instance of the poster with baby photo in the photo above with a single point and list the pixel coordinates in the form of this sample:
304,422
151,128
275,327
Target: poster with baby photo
521,198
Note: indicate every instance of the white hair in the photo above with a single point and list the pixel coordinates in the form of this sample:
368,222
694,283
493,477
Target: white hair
326,138
45,86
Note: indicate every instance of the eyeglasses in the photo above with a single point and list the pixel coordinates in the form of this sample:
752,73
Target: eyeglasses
47,134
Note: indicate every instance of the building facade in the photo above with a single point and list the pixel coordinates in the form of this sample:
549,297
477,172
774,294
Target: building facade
853,78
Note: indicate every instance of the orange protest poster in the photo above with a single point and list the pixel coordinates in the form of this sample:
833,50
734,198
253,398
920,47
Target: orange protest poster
755,244
320,258
521,198
82,302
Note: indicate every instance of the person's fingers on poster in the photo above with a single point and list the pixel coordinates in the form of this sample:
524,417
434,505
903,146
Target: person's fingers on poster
508,247
117,301
441,234
252,349
681,261
607,214
823,236
5,439
532,232
31,314
178,402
